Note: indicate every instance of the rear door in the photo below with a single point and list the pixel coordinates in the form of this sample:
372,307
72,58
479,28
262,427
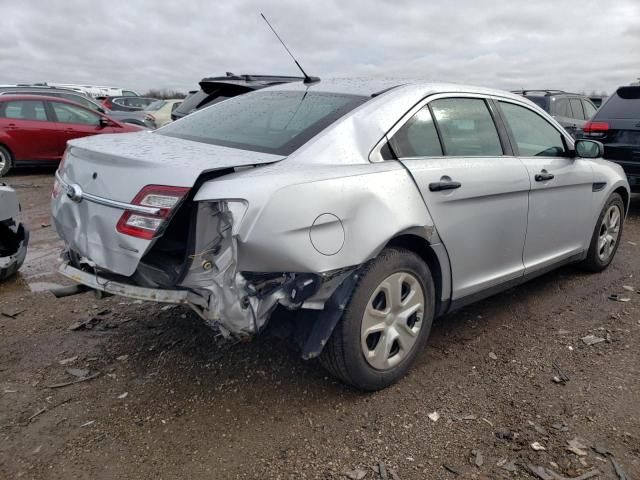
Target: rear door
559,220
74,122
475,190
31,133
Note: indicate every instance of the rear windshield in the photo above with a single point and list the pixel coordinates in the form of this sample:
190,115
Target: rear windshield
265,121
625,103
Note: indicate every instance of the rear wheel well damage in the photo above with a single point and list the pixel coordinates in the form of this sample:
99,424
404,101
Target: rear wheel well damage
421,247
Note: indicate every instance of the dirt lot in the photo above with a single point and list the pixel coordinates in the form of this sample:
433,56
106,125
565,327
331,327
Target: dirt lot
173,401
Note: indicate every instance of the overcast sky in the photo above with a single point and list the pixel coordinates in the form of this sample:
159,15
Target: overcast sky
573,45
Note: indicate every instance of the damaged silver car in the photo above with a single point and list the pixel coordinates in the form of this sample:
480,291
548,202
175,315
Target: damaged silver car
371,207
14,236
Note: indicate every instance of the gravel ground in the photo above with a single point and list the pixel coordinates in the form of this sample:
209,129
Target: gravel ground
171,400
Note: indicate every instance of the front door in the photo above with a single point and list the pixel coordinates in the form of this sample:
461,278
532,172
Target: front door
476,193
26,123
74,121
560,202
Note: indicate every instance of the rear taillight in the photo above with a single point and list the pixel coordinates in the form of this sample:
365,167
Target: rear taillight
145,225
596,129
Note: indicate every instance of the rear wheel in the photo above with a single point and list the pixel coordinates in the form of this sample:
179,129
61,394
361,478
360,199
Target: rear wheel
385,324
6,161
606,235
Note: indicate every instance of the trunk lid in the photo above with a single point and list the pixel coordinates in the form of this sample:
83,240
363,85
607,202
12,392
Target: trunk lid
117,167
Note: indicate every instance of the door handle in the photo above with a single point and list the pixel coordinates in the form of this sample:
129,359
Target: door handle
543,176
444,185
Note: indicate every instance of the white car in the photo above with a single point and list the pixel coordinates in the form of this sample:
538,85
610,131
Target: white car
369,206
14,236
159,112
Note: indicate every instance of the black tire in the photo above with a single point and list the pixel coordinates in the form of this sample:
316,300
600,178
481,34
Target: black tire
594,262
5,155
343,355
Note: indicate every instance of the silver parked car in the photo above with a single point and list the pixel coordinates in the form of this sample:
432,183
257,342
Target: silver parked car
372,207
14,236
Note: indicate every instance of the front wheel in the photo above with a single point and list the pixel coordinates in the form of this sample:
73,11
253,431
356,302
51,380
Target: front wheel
606,235
386,322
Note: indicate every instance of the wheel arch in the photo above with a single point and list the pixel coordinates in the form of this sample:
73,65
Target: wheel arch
437,264
626,197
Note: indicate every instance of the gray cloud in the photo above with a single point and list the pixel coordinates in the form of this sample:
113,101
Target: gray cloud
575,45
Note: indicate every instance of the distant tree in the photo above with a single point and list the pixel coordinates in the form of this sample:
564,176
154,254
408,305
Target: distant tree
163,93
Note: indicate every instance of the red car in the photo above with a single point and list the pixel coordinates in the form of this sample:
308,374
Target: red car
34,129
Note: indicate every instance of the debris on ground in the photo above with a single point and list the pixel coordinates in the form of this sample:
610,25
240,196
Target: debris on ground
618,298
39,412
548,474
506,435
12,315
560,376
356,474
577,447
67,361
477,459
537,446
605,452
434,416
508,465
493,356
78,372
382,470
90,422
122,358
592,339
83,379
123,395
451,469
629,288
560,426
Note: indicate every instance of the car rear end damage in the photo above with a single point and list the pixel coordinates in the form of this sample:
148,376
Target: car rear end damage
14,237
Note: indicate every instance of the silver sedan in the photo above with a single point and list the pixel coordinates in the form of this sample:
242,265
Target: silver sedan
369,207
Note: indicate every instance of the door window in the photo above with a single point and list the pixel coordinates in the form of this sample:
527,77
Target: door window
466,127
534,136
576,108
67,113
418,137
562,108
589,109
25,110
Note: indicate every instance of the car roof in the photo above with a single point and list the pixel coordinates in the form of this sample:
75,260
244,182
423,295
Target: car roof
42,88
21,96
375,87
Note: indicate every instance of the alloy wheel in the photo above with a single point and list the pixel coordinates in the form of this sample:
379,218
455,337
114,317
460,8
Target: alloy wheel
3,160
392,320
609,232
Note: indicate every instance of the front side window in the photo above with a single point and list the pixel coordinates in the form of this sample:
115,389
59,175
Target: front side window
418,137
67,113
275,122
25,110
466,127
534,136
576,108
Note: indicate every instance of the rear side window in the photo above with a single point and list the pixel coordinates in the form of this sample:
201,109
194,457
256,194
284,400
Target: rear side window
24,110
534,136
418,137
561,107
275,122
576,108
67,113
589,109
466,127
625,103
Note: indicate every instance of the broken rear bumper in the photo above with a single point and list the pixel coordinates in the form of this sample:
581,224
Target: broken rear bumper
139,293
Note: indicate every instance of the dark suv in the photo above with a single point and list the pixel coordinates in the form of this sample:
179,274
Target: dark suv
617,126
571,110
215,89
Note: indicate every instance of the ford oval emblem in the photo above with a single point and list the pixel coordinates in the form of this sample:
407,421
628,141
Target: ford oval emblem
74,192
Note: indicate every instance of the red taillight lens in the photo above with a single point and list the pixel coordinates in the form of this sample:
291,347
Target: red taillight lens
596,127
144,225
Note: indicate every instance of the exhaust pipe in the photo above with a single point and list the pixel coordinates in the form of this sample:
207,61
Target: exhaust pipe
68,291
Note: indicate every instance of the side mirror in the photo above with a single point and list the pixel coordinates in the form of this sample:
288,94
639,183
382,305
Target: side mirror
104,122
589,149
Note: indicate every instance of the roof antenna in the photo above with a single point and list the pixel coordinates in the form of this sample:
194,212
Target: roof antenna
307,78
